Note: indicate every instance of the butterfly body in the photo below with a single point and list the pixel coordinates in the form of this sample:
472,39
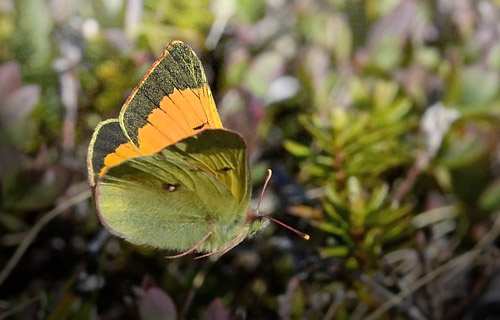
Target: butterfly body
166,173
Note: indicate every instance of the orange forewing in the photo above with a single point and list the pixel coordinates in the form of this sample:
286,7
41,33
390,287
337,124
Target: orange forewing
171,102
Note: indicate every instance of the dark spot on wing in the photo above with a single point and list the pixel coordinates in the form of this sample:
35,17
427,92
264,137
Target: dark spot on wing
226,169
199,127
170,187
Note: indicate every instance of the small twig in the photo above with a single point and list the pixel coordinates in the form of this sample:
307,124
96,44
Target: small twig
412,310
21,249
451,268
19,307
330,313
420,164
223,11
196,284
476,291
286,300
434,125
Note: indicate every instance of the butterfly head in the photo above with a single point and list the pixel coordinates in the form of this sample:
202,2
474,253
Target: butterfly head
256,223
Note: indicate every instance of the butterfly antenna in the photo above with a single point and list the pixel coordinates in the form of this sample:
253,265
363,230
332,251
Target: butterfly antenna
193,248
268,177
284,225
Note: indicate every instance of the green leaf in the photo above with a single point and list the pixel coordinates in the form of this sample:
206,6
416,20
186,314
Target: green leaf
328,227
337,251
490,198
298,149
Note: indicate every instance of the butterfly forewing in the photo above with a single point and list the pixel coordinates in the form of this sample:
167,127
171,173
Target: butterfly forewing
171,103
108,147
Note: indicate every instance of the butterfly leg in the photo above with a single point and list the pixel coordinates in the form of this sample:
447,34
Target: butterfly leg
233,243
193,248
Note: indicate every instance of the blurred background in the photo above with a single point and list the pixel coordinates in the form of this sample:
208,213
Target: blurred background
379,118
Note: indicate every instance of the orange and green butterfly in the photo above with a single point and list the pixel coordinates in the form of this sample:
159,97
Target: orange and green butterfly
166,173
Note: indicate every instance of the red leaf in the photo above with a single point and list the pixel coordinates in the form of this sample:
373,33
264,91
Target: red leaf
155,304
216,311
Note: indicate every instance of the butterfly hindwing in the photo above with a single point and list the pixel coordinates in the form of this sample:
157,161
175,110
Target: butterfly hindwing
168,200
221,154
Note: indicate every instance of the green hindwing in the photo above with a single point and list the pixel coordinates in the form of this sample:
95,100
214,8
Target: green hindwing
172,199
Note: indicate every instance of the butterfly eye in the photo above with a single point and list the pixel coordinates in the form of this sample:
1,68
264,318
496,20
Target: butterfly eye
170,187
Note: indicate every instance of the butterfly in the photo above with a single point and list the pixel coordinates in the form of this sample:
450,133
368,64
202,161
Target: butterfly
166,173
